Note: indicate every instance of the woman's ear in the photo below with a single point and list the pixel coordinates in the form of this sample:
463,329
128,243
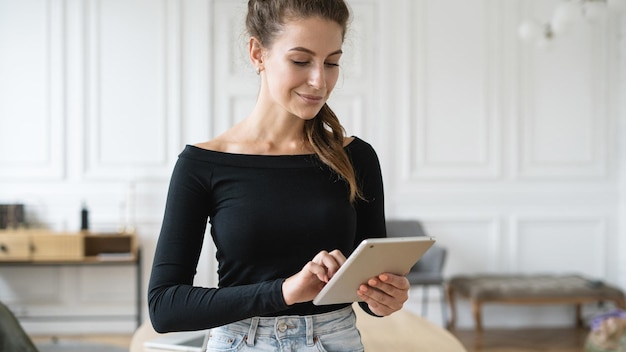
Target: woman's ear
256,51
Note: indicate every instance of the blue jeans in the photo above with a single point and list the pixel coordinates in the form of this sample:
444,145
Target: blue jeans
333,332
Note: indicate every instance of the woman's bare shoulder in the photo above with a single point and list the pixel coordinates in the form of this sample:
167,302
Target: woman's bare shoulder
225,144
214,145
222,143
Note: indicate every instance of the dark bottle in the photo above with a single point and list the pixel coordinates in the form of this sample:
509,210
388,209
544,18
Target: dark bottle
84,218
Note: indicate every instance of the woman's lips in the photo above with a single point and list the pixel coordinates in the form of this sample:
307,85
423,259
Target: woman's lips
311,99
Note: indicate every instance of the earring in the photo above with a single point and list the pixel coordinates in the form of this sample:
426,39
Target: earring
258,71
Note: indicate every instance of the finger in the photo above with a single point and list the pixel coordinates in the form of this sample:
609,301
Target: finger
330,261
318,257
376,306
398,281
331,264
379,307
317,270
339,257
398,293
384,294
320,268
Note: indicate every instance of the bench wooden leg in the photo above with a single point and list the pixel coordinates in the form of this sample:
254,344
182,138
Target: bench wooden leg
452,301
579,315
476,307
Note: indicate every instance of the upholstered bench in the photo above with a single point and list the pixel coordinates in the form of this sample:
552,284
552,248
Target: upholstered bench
529,289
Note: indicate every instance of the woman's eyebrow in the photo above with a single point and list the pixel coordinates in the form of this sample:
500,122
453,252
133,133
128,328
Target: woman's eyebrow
309,51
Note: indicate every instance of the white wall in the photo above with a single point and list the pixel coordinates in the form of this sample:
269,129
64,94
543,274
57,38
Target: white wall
512,155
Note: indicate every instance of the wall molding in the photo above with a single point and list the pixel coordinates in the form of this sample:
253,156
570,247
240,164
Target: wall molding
49,164
588,250
136,159
475,232
421,164
586,130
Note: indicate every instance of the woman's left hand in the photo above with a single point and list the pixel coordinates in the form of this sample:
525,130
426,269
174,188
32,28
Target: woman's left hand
385,293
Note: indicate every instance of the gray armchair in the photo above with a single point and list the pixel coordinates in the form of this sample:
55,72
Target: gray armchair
428,271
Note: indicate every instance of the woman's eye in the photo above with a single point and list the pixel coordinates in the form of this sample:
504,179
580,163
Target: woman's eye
305,63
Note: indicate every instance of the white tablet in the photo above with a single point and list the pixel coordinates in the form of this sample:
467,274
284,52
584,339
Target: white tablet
372,257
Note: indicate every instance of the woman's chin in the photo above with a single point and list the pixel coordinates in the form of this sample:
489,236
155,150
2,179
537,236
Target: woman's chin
307,115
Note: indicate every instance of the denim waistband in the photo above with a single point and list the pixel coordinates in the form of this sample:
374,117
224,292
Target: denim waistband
294,326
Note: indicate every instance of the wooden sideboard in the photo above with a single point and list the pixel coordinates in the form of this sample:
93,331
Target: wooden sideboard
47,246
37,248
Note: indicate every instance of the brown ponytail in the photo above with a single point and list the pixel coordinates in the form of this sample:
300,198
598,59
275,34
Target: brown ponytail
326,136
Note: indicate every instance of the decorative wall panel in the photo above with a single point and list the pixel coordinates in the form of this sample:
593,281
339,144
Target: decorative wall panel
133,117
565,137
559,244
454,138
31,90
472,242
235,83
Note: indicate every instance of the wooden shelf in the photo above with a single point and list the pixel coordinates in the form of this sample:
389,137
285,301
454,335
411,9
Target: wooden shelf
103,245
39,248
50,247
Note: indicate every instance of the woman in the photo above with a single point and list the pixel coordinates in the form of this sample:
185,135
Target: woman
288,197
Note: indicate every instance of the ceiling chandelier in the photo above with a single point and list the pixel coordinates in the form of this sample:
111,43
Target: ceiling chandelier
567,14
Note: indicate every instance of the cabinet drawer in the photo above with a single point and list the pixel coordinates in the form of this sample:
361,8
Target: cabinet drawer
57,247
14,247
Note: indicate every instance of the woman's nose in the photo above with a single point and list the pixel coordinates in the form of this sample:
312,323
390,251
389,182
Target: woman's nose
317,77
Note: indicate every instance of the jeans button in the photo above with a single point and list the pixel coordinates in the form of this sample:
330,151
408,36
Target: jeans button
282,327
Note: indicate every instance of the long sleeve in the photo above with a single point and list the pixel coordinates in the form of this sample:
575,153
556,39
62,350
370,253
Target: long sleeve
174,303
371,209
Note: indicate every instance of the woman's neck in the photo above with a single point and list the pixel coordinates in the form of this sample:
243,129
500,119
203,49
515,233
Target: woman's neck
266,134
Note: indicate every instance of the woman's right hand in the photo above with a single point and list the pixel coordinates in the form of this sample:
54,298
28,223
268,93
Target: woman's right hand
308,282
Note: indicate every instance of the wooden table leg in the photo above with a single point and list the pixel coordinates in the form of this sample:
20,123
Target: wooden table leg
452,301
579,315
476,307
620,303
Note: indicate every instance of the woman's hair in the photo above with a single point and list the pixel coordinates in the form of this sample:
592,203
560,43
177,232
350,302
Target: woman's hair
264,21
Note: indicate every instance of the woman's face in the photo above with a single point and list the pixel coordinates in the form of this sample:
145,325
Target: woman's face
302,66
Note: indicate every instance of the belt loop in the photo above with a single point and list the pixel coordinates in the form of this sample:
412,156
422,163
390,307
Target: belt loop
252,332
309,330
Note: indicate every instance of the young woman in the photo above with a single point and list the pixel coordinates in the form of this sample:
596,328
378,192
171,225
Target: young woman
288,197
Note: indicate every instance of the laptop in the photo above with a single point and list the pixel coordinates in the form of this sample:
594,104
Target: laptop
184,341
